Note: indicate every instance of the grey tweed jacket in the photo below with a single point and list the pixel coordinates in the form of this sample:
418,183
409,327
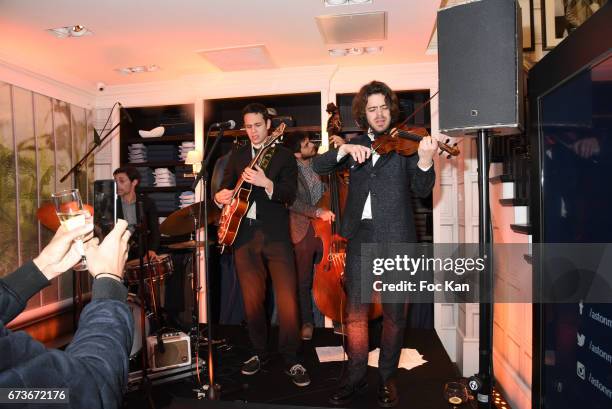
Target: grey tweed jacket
391,182
302,211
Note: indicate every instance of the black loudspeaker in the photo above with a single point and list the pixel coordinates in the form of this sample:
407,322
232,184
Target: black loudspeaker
480,67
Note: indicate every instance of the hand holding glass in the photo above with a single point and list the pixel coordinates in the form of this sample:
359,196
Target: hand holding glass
69,209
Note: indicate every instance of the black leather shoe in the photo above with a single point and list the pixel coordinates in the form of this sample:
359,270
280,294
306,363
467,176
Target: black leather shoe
346,393
387,394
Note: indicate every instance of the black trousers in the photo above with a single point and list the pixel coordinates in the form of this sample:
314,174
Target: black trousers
254,260
394,317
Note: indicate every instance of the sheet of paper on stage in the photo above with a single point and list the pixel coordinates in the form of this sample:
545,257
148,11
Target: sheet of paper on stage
409,358
330,354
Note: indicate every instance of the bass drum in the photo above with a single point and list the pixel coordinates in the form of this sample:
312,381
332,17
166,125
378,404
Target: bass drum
136,307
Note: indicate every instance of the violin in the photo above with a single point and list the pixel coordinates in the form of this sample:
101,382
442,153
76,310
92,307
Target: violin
404,140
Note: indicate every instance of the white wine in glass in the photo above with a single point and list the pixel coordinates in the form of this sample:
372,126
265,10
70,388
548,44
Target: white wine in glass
70,211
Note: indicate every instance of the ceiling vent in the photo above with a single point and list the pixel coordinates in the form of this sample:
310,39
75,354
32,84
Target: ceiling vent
252,57
352,28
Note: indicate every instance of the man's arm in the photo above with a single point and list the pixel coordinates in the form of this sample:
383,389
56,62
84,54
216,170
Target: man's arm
17,288
421,182
94,367
331,161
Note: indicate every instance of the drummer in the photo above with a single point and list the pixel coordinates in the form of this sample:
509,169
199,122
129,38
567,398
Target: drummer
127,178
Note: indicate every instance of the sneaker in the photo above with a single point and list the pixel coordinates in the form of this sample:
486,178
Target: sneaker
307,331
298,375
251,366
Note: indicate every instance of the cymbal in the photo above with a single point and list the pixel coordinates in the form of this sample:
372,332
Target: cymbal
48,217
190,244
181,221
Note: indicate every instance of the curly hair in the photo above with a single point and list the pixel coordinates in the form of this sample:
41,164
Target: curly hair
361,100
293,140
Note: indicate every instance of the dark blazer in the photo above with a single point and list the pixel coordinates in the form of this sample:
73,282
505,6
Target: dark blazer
152,221
391,182
273,213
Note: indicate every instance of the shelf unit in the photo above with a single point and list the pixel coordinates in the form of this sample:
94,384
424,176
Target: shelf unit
178,121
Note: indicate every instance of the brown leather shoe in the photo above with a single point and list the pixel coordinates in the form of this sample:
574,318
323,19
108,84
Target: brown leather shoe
387,394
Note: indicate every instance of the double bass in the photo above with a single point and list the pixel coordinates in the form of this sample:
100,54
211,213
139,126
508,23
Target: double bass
328,289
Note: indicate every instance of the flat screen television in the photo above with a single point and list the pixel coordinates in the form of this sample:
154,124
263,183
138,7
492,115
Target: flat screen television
570,106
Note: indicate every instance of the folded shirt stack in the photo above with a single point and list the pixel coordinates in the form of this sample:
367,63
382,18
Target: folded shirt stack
146,177
137,153
164,178
165,202
184,148
160,153
186,199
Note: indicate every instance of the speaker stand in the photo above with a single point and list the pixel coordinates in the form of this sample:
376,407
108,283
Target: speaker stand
482,383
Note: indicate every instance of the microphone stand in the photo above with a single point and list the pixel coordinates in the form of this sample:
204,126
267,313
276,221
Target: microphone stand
77,291
214,390
142,251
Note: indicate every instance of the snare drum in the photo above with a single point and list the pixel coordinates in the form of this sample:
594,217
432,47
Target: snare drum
136,308
158,269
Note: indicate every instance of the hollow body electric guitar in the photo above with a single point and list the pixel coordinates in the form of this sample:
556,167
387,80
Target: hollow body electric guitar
233,213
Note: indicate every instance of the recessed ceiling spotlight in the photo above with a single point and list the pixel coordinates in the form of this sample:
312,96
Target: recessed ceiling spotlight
138,69
338,52
78,30
332,3
373,50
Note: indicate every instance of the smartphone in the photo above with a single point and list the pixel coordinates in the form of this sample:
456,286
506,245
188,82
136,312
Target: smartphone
105,207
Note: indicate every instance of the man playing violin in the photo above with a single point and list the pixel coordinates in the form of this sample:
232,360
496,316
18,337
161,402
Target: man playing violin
263,244
378,210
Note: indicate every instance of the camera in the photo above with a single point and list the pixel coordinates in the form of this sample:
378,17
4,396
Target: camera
101,86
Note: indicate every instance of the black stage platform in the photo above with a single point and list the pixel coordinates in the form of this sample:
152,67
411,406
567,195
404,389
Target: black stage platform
420,387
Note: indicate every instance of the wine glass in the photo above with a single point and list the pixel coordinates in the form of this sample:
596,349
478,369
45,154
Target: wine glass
455,393
70,211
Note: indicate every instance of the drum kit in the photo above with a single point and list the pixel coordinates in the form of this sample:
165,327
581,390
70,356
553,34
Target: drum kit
181,222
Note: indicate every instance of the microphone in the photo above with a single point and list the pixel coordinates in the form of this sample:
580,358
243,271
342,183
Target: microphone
125,111
231,124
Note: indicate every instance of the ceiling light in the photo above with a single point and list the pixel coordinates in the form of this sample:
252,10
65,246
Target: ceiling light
78,30
332,3
341,52
373,50
138,69
338,52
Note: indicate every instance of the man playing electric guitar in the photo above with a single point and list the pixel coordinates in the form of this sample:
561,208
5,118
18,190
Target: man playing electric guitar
262,245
